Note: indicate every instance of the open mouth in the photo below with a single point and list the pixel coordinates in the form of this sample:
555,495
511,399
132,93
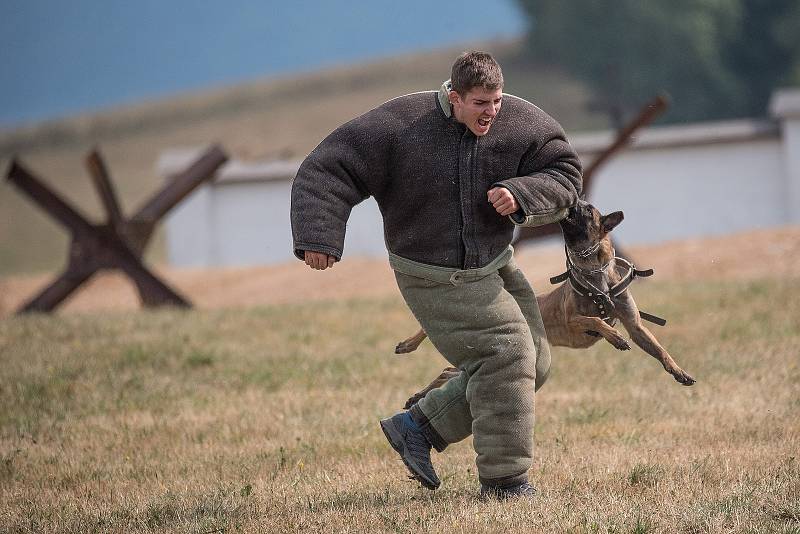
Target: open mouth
484,123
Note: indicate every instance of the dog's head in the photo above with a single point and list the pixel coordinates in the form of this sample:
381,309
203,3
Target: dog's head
585,226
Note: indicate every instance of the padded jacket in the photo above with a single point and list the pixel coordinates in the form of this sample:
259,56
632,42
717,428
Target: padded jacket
430,175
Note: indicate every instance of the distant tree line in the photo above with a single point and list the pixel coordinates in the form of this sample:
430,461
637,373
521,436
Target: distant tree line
716,58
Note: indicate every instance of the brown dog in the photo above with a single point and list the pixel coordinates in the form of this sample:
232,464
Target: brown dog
592,298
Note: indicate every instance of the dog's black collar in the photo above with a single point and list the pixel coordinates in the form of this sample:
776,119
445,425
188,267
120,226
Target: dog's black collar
601,299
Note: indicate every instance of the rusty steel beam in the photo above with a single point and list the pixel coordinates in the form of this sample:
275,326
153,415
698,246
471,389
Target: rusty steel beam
648,114
181,186
57,292
90,254
104,187
119,243
39,193
152,290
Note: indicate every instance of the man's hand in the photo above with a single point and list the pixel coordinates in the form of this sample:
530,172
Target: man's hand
503,201
318,260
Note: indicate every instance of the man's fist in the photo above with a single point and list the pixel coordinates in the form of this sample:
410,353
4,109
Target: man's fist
503,201
318,260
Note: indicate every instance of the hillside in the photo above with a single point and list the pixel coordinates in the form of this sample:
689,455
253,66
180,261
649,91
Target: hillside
273,118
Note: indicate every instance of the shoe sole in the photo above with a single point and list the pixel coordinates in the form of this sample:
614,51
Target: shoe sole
500,495
396,441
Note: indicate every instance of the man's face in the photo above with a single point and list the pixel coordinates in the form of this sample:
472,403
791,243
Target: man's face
477,109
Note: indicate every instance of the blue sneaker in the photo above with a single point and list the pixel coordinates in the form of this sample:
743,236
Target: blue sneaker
414,448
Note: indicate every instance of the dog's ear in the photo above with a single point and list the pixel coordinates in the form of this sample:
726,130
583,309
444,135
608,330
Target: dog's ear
611,220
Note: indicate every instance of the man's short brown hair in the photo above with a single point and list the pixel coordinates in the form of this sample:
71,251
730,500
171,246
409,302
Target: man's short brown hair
475,69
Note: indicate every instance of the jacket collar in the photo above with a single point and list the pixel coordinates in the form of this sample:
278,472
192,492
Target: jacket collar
444,98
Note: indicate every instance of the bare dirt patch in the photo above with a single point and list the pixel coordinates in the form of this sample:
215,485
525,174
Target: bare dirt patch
743,256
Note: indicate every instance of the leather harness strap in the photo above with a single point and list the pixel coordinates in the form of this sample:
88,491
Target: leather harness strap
652,318
628,278
560,278
601,299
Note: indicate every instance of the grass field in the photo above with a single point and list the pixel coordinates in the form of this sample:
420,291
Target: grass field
265,419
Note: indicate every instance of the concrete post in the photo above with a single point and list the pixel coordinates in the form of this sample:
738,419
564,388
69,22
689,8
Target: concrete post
785,107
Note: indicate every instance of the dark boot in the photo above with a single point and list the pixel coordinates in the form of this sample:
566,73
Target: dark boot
414,448
520,490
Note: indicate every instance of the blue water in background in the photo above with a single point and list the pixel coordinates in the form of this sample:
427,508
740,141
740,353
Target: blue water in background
63,58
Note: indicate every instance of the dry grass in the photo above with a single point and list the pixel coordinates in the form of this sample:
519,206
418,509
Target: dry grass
265,419
776,252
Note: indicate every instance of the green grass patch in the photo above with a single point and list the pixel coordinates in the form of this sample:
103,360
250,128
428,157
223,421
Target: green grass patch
260,419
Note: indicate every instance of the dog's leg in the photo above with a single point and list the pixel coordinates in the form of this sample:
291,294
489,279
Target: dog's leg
446,375
581,324
645,339
629,315
410,344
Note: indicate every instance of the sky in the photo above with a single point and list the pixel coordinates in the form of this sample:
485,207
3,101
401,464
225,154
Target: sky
65,58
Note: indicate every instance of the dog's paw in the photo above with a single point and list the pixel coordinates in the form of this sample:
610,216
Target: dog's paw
404,347
683,377
620,343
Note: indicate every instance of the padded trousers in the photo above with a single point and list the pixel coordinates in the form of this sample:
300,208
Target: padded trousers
490,327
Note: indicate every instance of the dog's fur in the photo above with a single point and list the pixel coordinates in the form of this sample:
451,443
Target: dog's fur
572,320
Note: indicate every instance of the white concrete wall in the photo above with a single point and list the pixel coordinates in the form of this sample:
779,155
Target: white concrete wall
693,191
785,106
247,223
673,182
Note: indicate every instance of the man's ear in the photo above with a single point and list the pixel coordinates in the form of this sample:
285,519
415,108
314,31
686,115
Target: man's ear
454,97
611,220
